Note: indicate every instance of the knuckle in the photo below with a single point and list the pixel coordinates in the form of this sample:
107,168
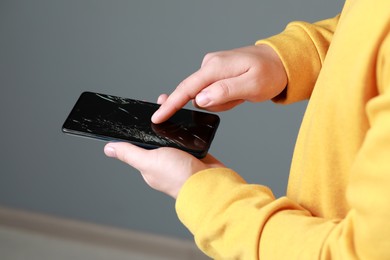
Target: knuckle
183,89
225,89
208,57
150,181
214,59
181,86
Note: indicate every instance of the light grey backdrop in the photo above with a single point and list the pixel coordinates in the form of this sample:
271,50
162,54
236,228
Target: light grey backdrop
51,51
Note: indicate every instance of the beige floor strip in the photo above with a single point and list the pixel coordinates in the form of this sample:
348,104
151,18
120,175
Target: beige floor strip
15,223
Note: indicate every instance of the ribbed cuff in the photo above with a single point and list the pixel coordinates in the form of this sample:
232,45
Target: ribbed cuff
200,193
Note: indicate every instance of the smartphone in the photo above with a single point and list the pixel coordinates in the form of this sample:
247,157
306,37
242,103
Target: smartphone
112,118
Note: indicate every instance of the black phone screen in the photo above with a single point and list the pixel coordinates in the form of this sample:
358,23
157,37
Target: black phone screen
115,118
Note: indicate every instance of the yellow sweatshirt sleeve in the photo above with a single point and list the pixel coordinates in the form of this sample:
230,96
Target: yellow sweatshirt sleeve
235,220
228,218
302,45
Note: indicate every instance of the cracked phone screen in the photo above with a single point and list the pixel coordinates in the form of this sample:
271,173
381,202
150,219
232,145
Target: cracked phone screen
115,118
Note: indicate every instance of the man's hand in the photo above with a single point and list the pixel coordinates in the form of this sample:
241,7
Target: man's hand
226,79
164,169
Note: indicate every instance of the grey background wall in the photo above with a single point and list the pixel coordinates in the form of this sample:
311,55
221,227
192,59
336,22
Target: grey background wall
51,51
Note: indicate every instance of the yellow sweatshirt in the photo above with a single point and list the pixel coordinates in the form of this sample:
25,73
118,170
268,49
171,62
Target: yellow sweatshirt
338,198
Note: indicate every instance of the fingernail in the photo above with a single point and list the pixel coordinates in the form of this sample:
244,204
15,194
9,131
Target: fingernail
202,99
155,116
110,151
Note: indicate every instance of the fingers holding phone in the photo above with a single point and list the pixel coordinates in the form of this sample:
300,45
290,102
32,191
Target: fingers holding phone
164,169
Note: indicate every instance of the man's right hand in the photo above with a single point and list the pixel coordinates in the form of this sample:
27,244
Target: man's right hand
226,79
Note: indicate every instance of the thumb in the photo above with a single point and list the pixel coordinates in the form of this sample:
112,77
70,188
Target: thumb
222,92
128,153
